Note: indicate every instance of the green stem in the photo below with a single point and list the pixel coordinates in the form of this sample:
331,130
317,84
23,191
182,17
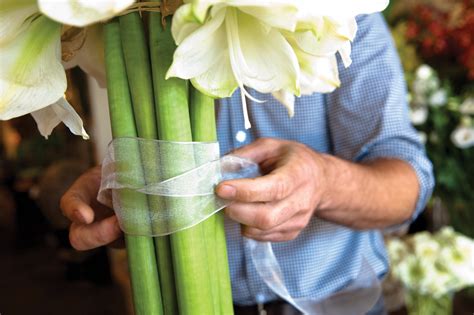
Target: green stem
140,249
192,274
203,121
140,81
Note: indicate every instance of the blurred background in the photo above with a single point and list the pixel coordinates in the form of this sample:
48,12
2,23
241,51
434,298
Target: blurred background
432,260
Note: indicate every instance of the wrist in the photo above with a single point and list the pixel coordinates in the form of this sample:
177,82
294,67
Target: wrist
325,181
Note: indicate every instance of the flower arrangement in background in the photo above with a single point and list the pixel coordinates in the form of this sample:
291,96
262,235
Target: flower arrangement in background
432,267
442,33
436,46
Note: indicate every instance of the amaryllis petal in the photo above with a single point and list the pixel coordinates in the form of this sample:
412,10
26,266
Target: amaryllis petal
275,13
345,53
184,23
32,76
15,16
341,8
318,74
287,99
261,58
200,8
325,36
82,12
200,50
61,111
219,80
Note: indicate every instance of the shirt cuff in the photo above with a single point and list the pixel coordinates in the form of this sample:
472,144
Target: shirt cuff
414,154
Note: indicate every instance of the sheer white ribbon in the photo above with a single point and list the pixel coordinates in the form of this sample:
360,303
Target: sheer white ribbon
177,201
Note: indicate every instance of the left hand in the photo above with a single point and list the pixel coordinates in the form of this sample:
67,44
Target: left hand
279,205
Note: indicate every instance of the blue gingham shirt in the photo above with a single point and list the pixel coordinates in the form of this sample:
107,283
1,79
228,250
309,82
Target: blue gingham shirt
365,119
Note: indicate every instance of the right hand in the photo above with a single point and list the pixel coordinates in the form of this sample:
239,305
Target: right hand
93,224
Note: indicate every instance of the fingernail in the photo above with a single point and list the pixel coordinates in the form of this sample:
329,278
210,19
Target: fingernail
79,217
226,192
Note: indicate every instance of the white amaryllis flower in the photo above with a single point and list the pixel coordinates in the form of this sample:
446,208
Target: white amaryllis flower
33,77
324,28
283,47
239,43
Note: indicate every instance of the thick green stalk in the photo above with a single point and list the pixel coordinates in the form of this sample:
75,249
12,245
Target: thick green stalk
140,249
203,122
189,246
137,62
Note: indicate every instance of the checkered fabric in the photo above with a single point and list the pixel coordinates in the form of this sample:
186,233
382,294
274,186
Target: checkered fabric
365,119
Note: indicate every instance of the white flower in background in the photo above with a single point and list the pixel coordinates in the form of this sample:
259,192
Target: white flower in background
33,78
82,12
426,247
438,98
396,249
463,136
274,46
423,137
433,264
446,236
409,272
435,281
424,72
467,107
418,115
425,84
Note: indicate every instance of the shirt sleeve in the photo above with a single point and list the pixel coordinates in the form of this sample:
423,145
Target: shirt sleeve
368,115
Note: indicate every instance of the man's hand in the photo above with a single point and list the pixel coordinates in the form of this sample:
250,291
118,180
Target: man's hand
278,206
299,183
93,224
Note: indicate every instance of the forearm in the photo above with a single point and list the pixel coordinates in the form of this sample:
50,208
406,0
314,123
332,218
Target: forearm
367,196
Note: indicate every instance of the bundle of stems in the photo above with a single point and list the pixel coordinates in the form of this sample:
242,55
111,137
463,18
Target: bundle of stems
186,272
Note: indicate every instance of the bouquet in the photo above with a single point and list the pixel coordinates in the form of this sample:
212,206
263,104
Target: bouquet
432,267
164,63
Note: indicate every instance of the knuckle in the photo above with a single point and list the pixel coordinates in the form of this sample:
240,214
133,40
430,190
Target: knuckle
291,236
102,237
251,193
75,240
300,225
265,222
280,189
268,141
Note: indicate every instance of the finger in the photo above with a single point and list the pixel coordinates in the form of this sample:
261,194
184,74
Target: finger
296,224
76,202
260,150
263,216
272,187
275,237
100,233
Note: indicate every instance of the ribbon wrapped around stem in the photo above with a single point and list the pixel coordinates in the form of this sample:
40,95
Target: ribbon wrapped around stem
134,165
